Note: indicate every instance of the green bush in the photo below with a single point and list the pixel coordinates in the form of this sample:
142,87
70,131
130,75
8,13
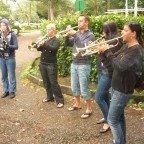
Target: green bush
29,27
65,55
16,29
131,102
141,104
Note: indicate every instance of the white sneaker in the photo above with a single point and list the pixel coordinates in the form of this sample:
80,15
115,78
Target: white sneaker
60,105
45,100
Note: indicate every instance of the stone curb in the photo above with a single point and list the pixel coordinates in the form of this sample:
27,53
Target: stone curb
67,89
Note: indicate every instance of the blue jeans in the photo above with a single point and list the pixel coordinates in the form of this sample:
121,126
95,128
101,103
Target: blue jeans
116,117
49,75
102,94
80,80
8,67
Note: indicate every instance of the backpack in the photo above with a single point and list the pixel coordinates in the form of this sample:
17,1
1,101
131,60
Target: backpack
140,75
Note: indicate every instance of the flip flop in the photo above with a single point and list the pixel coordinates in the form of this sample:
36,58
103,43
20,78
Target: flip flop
86,115
74,108
100,121
102,130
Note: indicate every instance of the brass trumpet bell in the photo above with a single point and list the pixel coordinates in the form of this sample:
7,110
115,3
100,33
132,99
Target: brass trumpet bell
93,48
36,44
31,47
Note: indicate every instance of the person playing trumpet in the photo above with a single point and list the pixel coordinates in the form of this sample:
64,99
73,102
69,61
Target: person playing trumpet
105,71
48,66
81,66
126,63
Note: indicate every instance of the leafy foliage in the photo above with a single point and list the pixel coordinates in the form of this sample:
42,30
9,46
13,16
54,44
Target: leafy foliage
64,54
131,102
57,7
4,10
141,104
136,105
99,7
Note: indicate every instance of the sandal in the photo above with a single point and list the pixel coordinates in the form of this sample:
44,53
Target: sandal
100,121
86,115
74,108
102,130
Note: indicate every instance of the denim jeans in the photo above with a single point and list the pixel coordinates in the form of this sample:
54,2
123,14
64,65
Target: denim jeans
102,94
8,67
49,75
116,117
80,80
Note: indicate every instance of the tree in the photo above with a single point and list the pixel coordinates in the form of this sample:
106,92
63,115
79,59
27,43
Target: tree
54,8
98,7
4,10
24,11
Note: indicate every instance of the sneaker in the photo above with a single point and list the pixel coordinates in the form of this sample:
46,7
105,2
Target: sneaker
60,105
5,95
12,95
47,100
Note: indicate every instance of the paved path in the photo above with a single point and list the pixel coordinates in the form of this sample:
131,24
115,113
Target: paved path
23,54
26,120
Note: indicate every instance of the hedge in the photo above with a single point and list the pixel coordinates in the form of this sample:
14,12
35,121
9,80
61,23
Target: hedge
64,53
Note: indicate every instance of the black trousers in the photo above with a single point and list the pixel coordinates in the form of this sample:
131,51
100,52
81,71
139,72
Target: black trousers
49,74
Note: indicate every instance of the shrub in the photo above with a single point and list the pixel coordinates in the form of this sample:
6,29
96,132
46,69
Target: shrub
65,55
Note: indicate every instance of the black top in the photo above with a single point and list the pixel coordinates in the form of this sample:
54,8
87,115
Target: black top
103,64
126,62
49,51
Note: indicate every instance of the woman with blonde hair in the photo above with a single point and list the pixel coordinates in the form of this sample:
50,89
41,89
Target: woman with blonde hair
48,66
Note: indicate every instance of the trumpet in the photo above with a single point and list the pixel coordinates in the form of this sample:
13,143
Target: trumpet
93,48
36,44
63,33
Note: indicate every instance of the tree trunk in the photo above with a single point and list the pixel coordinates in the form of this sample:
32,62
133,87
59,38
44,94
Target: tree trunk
50,10
95,5
30,13
108,4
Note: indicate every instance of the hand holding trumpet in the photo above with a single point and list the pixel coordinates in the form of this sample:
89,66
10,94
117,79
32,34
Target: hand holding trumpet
103,47
68,32
42,43
38,43
97,47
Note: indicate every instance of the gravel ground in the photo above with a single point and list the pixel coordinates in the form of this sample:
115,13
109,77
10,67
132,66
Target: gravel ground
26,120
